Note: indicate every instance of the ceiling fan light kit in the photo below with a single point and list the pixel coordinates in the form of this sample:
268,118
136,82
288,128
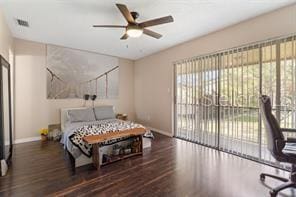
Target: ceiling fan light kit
134,29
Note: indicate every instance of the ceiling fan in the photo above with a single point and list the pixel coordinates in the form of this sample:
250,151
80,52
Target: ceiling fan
135,29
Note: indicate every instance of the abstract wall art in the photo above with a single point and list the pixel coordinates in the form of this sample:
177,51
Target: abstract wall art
73,73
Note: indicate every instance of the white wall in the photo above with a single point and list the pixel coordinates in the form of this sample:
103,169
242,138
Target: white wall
154,74
34,110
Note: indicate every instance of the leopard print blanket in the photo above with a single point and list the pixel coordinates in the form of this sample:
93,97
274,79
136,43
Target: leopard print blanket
101,128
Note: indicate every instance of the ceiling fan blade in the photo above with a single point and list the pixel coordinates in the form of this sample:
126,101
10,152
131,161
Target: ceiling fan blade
110,26
126,13
158,21
152,33
124,37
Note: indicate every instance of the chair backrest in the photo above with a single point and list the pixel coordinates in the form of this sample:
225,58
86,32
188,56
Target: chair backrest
275,137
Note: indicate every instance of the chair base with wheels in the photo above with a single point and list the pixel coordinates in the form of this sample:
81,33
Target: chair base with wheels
289,183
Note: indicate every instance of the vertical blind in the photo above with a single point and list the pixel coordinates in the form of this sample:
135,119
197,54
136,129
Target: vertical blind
216,96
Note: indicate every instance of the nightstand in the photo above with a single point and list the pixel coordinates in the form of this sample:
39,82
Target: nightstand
54,132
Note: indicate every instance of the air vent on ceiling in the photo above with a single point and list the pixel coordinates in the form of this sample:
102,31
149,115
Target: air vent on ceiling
22,22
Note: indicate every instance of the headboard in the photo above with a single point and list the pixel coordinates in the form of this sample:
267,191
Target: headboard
64,115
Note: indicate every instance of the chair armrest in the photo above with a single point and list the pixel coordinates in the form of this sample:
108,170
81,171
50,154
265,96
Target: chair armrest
291,140
288,130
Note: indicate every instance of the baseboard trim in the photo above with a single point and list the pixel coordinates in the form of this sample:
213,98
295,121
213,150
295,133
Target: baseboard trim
161,132
29,139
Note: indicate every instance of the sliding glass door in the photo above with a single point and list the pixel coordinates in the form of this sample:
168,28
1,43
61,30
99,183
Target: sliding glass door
196,107
216,96
239,89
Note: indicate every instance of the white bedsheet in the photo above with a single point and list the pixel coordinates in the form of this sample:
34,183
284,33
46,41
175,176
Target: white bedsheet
68,130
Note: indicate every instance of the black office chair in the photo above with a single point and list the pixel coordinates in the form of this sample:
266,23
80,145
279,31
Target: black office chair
280,149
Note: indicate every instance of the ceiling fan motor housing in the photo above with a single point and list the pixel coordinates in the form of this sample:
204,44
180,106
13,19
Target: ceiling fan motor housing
135,15
133,26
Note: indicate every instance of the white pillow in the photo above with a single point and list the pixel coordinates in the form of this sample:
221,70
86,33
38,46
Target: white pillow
81,115
104,112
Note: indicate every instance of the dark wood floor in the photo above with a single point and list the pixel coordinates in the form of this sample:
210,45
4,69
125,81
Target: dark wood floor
171,167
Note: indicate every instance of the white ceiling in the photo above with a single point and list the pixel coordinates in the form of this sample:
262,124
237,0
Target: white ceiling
69,22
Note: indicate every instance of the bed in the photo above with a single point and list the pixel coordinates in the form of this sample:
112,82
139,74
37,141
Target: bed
83,120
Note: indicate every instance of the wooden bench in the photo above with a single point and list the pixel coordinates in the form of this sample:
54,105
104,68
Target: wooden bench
95,141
